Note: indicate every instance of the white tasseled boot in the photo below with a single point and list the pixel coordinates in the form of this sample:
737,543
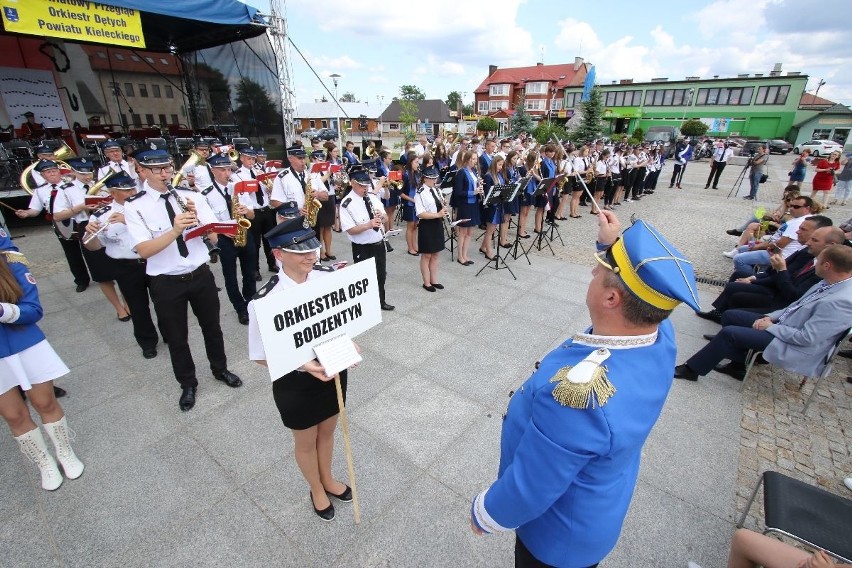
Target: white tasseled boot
33,446
61,436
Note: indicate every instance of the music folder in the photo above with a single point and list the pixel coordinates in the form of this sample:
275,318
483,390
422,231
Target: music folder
98,199
518,186
221,227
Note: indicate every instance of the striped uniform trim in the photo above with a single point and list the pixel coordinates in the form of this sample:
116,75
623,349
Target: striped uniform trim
11,313
483,520
638,286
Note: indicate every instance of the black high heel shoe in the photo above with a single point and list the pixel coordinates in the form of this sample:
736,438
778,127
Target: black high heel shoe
344,497
326,514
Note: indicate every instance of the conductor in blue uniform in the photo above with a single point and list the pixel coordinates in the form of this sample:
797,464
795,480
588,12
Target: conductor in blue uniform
574,431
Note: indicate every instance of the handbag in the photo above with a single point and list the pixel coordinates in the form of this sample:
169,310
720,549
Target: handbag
763,178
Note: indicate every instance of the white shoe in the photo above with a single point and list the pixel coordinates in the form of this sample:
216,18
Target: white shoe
730,253
692,565
32,445
848,483
61,436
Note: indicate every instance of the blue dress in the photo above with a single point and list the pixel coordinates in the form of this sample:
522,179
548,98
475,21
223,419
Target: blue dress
467,202
494,212
409,187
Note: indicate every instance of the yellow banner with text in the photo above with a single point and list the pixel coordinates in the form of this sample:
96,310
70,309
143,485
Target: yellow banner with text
76,20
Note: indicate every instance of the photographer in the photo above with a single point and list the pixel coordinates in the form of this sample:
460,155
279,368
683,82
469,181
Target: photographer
758,170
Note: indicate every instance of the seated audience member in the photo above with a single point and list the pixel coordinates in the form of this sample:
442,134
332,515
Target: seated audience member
749,256
795,337
786,281
774,219
750,550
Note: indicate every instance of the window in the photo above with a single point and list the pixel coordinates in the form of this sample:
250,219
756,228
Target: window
666,97
555,104
774,95
149,119
119,57
123,119
538,88
572,99
821,134
136,119
162,118
497,105
312,123
347,124
128,90
149,60
170,94
482,106
134,58
498,90
620,98
394,126
725,96
324,123
174,118
143,90
155,90
164,61
102,55
534,104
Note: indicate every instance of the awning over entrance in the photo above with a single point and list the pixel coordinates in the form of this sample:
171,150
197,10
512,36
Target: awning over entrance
623,112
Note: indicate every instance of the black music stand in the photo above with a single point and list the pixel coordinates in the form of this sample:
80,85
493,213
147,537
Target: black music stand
544,239
499,194
519,186
448,179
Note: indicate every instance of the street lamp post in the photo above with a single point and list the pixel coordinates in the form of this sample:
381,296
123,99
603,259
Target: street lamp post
687,105
334,77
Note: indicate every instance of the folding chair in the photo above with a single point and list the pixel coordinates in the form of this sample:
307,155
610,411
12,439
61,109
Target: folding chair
828,365
805,513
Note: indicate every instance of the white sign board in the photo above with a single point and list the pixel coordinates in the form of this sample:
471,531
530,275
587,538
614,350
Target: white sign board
32,90
292,323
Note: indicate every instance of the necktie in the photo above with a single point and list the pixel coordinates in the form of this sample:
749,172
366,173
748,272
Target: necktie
302,179
802,301
260,198
369,207
807,267
184,252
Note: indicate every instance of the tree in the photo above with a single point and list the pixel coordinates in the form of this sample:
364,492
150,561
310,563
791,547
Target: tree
521,121
256,111
348,98
411,93
408,116
546,131
487,124
467,110
454,101
693,127
592,123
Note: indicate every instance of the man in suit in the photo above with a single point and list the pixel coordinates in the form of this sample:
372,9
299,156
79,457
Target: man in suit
786,281
795,337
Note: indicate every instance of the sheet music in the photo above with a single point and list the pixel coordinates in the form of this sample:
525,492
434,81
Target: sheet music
337,354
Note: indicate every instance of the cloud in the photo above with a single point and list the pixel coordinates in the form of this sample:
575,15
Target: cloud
434,66
730,18
805,16
340,63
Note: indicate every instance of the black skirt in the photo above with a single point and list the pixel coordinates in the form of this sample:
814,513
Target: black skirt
430,236
100,265
325,217
304,401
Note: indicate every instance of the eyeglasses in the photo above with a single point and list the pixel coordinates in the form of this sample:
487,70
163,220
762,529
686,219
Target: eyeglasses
798,206
167,170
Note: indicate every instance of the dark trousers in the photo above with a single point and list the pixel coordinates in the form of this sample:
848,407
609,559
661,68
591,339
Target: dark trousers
651,182
677,174
732,342
638,181
715,171
171,296
74,256
525,559
133,283
263,222
609,190
247,255
377,251
741,295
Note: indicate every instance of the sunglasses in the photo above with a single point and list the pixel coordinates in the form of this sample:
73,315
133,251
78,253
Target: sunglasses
798,206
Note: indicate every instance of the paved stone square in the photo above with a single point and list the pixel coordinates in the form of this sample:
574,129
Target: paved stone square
218,486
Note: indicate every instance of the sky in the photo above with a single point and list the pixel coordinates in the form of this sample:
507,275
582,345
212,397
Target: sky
447,45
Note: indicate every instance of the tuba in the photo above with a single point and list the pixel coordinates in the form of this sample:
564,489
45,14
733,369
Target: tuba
64,152
194,159
98,185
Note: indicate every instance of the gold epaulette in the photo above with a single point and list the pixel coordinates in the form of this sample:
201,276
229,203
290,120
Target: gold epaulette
14,256
584,385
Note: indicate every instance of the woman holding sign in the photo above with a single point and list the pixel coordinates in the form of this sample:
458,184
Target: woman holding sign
306,398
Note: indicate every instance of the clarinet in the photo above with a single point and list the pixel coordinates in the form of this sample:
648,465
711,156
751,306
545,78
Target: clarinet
212,250
381,228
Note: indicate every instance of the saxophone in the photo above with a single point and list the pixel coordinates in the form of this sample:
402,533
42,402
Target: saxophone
243,224
312,204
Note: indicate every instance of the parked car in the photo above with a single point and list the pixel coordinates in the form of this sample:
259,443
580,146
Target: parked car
779,146
665,137
750,147
819,147
310,133
327,134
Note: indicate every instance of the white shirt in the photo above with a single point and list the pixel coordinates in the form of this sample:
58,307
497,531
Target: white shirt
69,195
147,218
790,227
419,149
256,351
123,165
614,163
424,200
287,188
203,179
115,238
219,203
600,168
41,196
722,154
353,211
